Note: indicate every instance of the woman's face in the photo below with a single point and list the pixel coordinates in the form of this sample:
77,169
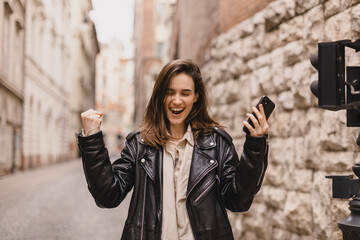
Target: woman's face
179,99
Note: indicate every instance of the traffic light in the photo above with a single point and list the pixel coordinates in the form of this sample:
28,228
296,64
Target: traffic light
330,63
336,88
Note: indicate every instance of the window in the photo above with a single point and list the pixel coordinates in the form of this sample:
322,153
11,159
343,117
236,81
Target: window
159,49
6,39
18,53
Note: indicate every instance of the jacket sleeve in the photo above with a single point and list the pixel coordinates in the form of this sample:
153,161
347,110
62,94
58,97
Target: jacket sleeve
242,179
108,183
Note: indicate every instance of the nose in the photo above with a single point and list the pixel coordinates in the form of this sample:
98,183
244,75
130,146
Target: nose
177,99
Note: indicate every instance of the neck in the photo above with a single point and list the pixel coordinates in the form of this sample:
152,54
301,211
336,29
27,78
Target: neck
177,132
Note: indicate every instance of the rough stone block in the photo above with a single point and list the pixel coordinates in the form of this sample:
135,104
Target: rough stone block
291,30
333,132
258,221
321,205
279,81
339,27
264,78
297,212
231,93
313,27
274,197
281,127
286,100
302,180
355,19
332,7
278,12
349,3
280,234
338,162
245,28
305,5
294,52
272,41
273,176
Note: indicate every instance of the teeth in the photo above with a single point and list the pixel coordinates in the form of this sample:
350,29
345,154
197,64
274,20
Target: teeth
176,110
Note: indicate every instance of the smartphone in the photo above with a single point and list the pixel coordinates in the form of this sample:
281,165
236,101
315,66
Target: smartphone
268,109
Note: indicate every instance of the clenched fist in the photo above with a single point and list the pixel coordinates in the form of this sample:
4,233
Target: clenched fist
91,121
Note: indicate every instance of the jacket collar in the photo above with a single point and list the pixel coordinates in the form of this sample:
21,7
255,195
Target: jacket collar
205,142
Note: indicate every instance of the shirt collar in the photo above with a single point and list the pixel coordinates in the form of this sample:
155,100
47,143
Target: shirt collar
188,136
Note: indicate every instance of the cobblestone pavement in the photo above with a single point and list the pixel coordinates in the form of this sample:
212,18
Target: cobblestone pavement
53,202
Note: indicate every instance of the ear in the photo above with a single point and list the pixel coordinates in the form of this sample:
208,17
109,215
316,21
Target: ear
196,97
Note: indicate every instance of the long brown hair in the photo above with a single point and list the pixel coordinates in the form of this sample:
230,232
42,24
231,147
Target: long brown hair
154,128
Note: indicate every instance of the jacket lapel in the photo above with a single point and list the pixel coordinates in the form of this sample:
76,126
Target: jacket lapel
201,163
153,165
151,161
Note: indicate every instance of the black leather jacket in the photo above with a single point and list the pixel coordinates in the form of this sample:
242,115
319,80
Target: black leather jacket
217,180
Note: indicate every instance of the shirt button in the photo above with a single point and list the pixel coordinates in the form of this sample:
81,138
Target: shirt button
143,160
212,161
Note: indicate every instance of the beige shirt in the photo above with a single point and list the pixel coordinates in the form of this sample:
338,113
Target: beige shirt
175,219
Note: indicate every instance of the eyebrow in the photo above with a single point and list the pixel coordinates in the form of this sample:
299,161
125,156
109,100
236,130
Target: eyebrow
182,90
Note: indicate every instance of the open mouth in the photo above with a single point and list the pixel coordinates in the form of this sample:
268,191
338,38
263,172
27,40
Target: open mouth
177,111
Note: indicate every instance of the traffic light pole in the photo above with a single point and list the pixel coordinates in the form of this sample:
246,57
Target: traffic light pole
345,187
336,91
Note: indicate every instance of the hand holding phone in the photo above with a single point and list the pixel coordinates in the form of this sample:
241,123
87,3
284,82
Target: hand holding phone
268,106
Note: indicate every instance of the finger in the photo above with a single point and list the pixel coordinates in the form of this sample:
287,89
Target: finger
90,113
260,115
262,110
95,117
249,127
253,119
87,112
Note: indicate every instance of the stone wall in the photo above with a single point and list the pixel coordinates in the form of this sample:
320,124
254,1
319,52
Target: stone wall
269,54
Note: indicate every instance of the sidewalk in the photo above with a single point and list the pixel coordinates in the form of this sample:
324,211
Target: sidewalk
53,202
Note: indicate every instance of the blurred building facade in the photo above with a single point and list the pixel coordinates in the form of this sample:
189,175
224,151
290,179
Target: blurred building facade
84,49
47,82
115,94
41,58
152,33
12,19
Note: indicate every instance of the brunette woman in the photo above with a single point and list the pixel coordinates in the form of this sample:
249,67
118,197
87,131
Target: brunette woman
181,164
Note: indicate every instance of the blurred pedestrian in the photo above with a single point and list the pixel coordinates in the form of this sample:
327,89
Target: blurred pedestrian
181,164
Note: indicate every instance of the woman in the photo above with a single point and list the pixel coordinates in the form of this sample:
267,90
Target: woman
182,165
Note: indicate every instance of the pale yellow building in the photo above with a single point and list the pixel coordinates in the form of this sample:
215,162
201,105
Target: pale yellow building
115,94
84,49
47,81
12,19
60,52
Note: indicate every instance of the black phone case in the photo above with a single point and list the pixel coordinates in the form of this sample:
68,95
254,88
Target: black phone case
268,108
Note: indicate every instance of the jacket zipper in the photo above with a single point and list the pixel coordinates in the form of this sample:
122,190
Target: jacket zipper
205,191
204,174
187,195
261,173
143,212
262,165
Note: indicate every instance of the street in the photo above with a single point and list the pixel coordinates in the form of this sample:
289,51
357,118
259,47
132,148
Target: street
53,202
